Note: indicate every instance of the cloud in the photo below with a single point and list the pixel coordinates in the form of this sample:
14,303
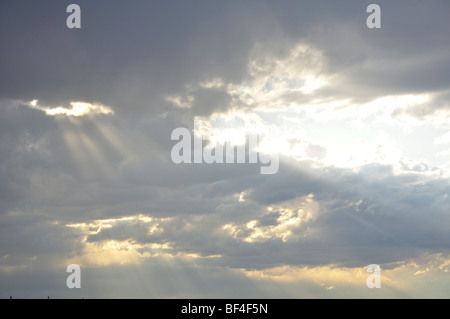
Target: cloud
76,109
359,117
388,218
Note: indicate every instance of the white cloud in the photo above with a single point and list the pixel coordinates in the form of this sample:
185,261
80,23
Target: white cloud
76,109
443,139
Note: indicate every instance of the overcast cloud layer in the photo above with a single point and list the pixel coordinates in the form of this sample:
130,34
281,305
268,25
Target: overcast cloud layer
360,119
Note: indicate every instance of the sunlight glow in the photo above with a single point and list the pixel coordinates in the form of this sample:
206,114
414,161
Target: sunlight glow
76,109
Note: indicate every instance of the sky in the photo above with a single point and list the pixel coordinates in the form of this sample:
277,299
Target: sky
359,119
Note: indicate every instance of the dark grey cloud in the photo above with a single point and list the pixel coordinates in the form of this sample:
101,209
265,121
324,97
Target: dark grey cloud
22,130
29,235
125,55
130,55
57,170
372,215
